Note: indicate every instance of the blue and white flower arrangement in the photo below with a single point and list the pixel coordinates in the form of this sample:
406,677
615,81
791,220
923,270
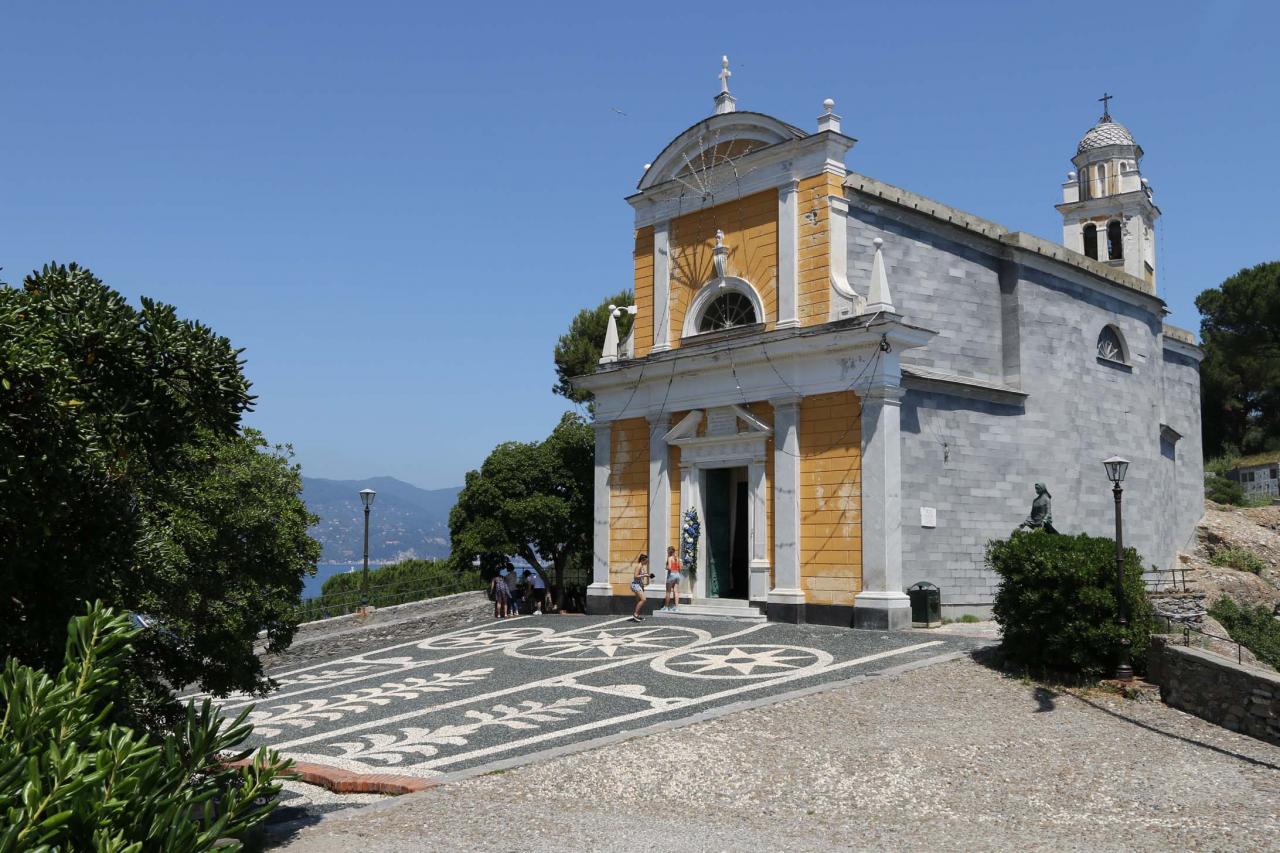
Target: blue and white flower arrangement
690,532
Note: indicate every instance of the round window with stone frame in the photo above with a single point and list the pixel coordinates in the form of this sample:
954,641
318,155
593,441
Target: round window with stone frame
727,311
1111,346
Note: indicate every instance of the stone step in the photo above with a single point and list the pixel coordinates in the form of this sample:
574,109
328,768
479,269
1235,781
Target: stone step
715,608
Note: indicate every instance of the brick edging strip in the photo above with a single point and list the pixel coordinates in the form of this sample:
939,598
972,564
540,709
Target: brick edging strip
345,782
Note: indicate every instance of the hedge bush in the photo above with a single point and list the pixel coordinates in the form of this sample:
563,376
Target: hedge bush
1255,628
1220,490
1057,605
396,583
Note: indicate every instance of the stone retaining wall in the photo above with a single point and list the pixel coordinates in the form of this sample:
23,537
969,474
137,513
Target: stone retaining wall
1240,698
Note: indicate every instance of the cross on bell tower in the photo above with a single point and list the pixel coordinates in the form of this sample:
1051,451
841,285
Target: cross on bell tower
1106,111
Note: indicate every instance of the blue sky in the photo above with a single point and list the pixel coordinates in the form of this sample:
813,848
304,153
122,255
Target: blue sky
396,208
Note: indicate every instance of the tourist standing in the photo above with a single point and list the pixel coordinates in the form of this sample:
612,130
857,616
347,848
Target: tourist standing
537,591
516,581
639,578
671,602
501,595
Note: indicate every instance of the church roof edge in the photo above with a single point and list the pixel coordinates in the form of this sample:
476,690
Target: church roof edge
993,230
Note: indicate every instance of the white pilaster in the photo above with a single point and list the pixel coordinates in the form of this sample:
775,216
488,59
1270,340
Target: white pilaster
758,485
600,549
881,604
788,255
659,496
786,503
661,287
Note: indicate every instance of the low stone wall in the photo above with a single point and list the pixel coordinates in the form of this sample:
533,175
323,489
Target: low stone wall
1240,698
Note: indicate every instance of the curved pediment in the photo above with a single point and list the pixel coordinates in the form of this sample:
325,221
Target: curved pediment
715,139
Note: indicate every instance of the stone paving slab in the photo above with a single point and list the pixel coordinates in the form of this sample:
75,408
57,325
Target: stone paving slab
461,699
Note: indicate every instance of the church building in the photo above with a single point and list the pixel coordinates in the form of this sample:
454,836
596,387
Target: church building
856,387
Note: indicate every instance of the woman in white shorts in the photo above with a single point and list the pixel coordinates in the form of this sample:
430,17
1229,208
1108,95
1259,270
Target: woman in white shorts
671,602
638,580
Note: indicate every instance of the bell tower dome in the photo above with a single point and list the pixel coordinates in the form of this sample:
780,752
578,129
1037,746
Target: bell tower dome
1107,208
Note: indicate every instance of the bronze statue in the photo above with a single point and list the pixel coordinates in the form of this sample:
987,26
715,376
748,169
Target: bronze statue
1041,517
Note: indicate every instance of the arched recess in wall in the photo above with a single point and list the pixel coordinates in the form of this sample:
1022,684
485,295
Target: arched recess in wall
1111,345
1091,240
1115,243
723,303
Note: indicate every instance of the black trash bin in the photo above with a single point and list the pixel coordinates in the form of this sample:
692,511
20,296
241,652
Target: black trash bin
926,605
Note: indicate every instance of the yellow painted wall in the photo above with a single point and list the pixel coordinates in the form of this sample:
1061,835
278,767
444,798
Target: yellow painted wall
813,288
643,256
628,500
750,227
830,498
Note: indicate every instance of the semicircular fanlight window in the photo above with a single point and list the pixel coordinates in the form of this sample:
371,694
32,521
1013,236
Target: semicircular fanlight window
726,311
1109,346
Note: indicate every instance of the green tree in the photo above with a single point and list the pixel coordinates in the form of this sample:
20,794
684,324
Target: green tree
70,781
578,350
1240,376
532,500
125,476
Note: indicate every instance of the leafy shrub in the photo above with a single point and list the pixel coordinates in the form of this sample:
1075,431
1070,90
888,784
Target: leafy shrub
1240,559
69,780
1220,490
396,583
1255,628
1057,605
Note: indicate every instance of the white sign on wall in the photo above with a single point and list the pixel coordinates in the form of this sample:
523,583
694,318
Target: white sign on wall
928,516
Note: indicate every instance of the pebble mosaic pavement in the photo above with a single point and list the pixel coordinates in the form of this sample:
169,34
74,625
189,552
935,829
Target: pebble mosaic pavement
462,699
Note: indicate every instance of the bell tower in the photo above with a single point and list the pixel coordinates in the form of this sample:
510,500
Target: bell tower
1107,208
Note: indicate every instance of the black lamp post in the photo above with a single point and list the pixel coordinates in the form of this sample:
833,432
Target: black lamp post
366,498
1116,469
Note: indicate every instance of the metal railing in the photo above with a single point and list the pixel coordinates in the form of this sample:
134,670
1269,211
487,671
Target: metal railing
1166,580
381,595
1186,635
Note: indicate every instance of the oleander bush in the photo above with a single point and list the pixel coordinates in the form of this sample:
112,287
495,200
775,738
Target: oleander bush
72,780
1240,559
1057,604
1255,628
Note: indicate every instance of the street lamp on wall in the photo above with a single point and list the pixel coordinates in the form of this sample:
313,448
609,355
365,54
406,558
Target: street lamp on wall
1117,467
366,498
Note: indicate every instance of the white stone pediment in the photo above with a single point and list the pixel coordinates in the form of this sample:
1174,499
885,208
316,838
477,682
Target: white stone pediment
724,443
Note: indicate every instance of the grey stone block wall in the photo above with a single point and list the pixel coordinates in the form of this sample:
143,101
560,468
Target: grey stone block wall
974,456
1241,698
950,287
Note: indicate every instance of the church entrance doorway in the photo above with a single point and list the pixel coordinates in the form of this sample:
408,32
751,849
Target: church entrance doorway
727,531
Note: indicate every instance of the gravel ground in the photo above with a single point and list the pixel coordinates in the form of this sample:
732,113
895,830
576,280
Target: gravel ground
953,755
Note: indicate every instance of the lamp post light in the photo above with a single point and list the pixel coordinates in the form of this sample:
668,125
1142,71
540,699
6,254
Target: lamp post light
1117,467
366,498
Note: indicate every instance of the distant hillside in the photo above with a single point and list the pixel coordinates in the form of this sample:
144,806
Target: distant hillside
406,521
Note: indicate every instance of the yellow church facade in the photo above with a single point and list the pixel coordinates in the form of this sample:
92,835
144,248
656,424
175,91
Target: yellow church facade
757,387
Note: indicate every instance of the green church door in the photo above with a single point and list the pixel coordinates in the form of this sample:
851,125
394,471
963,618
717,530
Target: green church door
719,534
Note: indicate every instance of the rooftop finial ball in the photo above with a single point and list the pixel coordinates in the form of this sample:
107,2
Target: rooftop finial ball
877,242
829,104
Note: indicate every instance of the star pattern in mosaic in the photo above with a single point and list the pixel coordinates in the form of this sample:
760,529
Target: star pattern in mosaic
607,643
741,661
483,639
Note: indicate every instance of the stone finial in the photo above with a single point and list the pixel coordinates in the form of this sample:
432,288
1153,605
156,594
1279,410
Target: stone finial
725,102
609,353
879,298
828,120
1071,176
